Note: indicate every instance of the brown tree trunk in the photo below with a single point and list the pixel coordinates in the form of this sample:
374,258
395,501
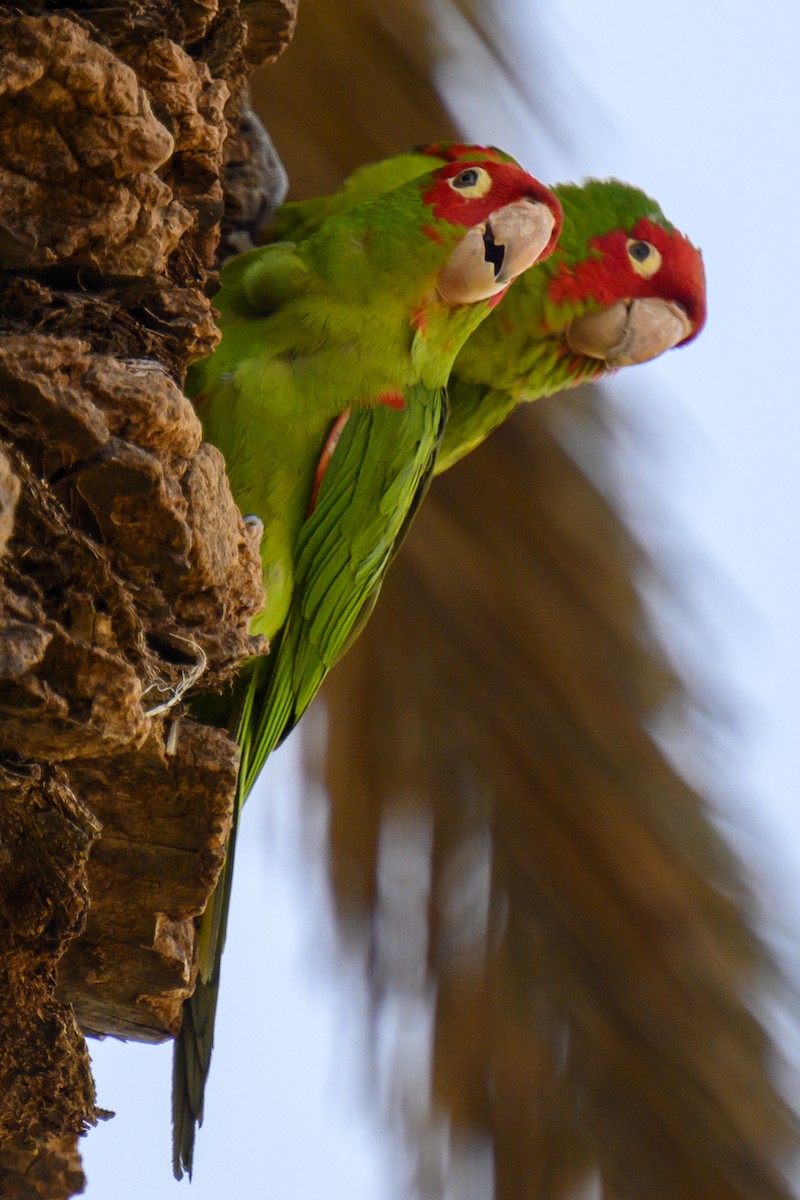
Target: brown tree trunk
127,574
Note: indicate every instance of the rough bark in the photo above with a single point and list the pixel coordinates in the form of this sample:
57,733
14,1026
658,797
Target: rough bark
128,578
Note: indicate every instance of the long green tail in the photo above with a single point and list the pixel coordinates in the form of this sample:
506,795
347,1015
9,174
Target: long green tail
195,1042
265,718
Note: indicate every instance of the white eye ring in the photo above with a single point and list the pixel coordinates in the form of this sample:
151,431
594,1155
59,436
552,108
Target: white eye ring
645,258
471,183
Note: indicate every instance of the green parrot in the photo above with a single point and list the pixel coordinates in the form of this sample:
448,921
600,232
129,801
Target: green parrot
326,396
622,287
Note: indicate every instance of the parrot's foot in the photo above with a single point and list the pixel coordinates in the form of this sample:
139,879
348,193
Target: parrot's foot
254,528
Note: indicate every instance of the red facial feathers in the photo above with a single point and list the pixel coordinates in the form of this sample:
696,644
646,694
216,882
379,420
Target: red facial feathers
509,183
608,275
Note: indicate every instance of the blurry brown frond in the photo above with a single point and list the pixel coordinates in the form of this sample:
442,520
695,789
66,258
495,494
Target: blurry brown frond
587,936
356,87
359,85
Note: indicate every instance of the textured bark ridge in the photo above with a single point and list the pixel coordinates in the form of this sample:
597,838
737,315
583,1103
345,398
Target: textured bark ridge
128,578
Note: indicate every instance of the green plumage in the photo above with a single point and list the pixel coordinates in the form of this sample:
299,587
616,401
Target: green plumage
336,322
381,467
310,330
333,320
519,353
300,219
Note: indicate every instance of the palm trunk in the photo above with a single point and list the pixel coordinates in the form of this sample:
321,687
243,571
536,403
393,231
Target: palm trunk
127,574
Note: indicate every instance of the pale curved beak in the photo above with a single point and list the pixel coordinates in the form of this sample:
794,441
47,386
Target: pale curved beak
630,331
490,256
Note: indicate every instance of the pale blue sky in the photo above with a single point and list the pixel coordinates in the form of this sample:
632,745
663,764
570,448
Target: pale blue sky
699,107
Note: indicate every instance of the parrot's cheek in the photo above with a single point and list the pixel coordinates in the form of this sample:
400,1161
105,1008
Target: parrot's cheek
630,331
491,255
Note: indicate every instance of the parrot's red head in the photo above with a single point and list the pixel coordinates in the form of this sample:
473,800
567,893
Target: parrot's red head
511,219
649,284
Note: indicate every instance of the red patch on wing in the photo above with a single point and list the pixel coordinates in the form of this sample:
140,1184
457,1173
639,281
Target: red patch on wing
433,234
509,183
392,399
607,275
326,456
419,319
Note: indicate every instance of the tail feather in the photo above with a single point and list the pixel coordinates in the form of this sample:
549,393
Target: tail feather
194,1044
191,1059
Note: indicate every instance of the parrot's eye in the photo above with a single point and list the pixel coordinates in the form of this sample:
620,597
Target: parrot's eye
645,259
472,182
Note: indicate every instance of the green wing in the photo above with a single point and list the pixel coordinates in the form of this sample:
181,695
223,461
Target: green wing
378,474
373,486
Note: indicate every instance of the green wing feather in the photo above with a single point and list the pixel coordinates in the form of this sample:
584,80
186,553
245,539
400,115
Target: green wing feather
374,484
378,473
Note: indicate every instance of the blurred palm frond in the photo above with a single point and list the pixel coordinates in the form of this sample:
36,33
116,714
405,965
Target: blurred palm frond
588,933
